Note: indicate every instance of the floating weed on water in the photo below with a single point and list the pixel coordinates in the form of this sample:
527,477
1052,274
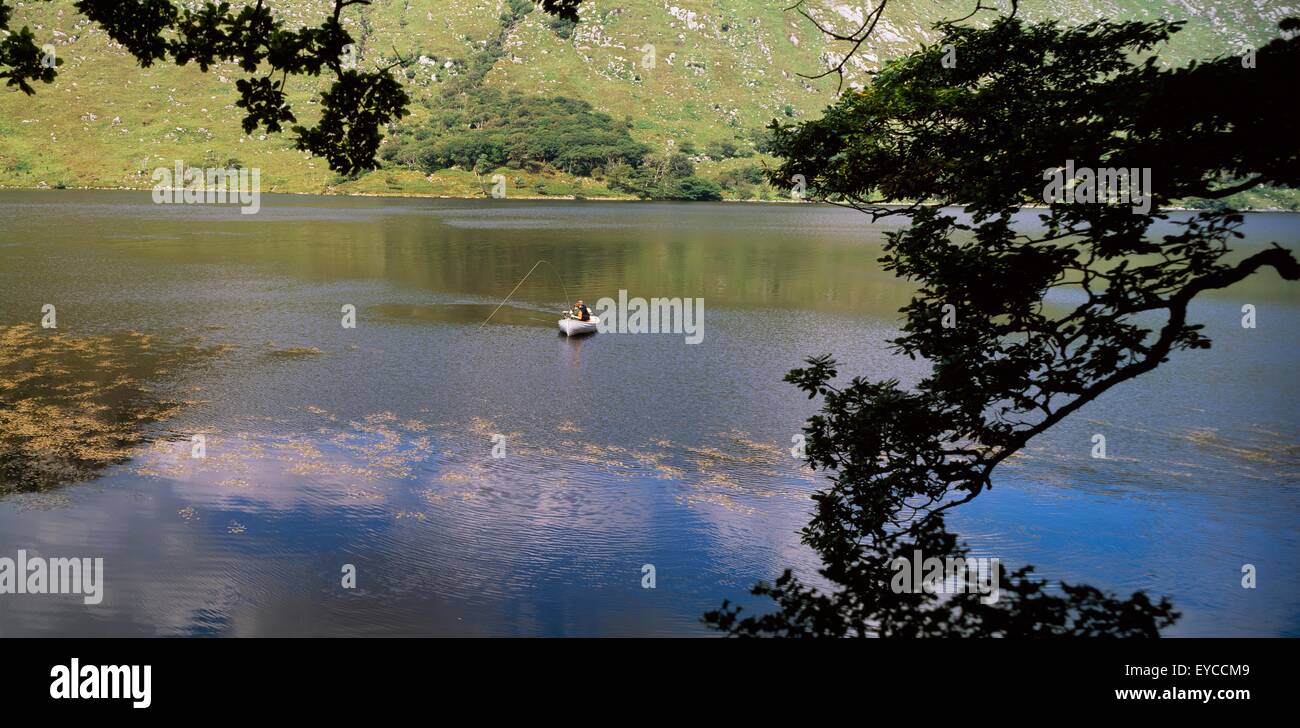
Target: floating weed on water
707,456
429,495
188,513
668,472
719,480
294,352
482,427
299,448
715,499
436,497
374,458
366,494
236,528
321,413
1278,453
742,467
757,449
70,406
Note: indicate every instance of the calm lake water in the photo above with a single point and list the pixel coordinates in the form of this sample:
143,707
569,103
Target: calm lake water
373,446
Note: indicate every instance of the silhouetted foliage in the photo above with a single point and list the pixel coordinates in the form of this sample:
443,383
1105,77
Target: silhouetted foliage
1022,99
865,605
566,9
354,111
21,59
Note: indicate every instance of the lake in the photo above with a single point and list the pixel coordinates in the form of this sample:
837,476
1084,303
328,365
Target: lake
504,480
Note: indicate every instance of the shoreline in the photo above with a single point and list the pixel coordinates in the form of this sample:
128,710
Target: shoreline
408,195
557,198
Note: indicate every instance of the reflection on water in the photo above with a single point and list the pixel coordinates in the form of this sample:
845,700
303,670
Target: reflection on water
378,446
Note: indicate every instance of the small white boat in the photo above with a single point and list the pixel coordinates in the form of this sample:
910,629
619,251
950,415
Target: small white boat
575,327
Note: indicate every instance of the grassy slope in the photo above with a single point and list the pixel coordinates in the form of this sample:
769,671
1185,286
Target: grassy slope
728,68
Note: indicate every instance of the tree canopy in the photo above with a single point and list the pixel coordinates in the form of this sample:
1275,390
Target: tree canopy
1021,101
517,129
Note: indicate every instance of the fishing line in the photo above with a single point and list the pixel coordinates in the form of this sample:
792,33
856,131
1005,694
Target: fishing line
520,283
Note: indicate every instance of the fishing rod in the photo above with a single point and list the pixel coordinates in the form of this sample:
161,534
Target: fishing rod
520,283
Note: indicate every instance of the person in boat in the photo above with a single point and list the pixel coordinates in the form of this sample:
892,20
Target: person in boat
581,312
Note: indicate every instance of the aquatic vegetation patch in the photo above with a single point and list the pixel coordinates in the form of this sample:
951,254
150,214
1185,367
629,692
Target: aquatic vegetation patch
72,405
294,352
1270,451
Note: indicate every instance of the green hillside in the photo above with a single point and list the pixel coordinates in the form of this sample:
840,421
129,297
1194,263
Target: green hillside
722,69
